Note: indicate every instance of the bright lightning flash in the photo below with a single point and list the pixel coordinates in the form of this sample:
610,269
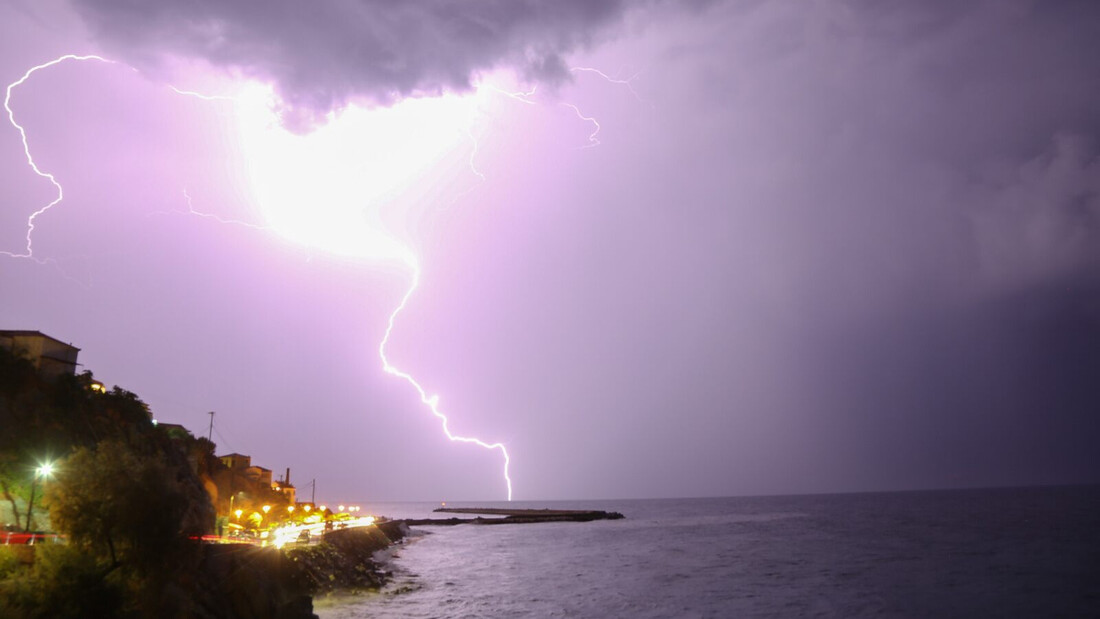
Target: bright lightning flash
326,189
329,189
336,187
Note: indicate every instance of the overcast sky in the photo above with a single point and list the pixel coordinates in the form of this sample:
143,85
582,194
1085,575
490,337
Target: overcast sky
813,247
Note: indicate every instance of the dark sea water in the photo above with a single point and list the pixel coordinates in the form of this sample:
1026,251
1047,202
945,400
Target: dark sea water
1022,552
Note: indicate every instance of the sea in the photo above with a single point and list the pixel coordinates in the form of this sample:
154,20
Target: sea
1008,552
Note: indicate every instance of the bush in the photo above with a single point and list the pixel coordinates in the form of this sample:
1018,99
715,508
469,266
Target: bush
9,562
64,583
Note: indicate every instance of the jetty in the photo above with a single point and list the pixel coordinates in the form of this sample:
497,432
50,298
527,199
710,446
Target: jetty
514,516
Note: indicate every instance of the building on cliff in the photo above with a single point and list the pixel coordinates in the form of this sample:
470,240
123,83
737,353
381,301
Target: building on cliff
50,356
242,465
236,461
289,491
256,480
259,475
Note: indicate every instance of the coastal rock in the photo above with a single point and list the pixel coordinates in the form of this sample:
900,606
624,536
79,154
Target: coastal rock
343,561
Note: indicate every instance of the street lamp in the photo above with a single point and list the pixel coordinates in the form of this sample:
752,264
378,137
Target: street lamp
45,470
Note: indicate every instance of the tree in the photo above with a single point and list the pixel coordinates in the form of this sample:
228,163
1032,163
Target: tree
117,502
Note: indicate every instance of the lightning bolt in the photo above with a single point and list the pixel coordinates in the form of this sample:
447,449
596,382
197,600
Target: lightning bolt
629,83
593,141
521,96
473,153
199,95
432,402
27,150
236,222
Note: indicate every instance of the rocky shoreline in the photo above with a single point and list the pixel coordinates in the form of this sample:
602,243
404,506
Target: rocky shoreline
246,582
344,560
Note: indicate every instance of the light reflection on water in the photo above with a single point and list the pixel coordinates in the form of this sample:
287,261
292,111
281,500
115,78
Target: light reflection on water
1015,552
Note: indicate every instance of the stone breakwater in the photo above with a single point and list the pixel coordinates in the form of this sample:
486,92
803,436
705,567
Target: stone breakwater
515,516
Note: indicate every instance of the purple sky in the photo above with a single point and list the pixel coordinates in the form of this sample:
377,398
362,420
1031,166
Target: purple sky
819,247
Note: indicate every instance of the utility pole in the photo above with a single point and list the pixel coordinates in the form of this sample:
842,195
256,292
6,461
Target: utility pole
210,434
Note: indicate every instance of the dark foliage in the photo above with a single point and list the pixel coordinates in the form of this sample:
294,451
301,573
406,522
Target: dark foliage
126,495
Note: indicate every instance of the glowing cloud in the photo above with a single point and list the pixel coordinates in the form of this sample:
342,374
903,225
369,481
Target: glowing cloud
328,189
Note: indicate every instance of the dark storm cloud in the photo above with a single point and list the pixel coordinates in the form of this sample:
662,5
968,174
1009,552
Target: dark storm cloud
909,220
955,240
1041,218
321,54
